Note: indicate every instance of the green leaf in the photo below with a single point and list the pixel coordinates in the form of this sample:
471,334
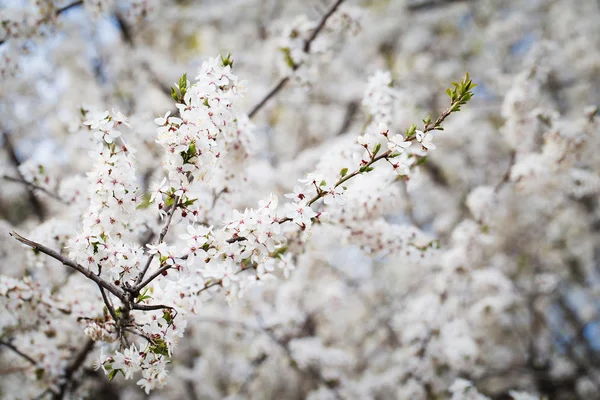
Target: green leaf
287,55
143,296
167,317
343,172
189,202
227,61
160,347
279,252
376,149
39,373
112,374
145,203
323,183
421,161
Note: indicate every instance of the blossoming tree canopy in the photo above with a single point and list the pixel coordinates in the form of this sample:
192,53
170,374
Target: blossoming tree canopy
305,215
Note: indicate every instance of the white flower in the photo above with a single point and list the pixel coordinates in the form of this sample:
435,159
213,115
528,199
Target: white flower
397,143
300,213
425,140
298,194
364,140
97,119
162,120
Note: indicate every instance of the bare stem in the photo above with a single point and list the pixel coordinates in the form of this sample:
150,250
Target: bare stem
72,264
19,352
161,237
72,369
307,44
37,206
36,187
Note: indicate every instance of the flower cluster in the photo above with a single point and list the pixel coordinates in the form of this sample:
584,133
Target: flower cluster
111,221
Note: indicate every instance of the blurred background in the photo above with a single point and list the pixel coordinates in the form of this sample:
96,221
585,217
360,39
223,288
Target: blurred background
509,299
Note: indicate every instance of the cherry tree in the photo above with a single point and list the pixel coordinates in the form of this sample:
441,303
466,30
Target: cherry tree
307,211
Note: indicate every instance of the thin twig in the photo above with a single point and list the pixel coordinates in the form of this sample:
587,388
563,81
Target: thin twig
150,307
506,176
431,4
321,25
307,44
156,274
72,369
35,203
56,13
321,193
70,263
36,187
316,375
108,304
19,352
280,85
137,287
68,7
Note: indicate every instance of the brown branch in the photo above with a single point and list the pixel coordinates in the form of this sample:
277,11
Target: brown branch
437,125
12,154
431,4
19,352
161,237
72,369
321,25
108,304
36,187
307,44
150,307
506,176
280,85
72,264
156,274
68,7
56,13
310,371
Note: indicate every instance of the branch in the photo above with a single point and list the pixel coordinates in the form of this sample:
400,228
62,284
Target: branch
431,4
150,307
157,273
70,263
72,368
19,352
316,375
506,176
281,84
161,237
460,95
56,13
68,7
35,203
36,187
321,25
108,305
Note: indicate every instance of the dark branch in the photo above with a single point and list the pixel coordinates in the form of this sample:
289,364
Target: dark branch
36,187
150,307
68,7
19,352
161,237
70,263
281,84
431,4
72,369
35,203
